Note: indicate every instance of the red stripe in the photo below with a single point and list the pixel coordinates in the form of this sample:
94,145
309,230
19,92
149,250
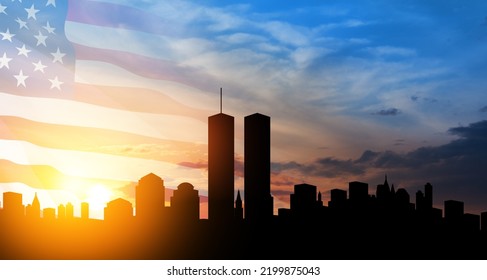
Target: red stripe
147,66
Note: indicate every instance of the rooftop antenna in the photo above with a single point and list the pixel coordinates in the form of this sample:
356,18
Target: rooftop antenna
220,100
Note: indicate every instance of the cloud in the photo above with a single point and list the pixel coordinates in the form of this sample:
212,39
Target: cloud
199,165
483,109
388,112
328,167
354,23
287,33
475,131
399,142
239,166
416,98
282,180
281,166
305,56
242,38
351,23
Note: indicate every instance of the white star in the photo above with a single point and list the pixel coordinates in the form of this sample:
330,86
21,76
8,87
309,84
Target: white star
4,61
41,39
7,35
24,51
39,66
51,2
21,78
49,28
31,12
22,24
2,9
55,83
58,56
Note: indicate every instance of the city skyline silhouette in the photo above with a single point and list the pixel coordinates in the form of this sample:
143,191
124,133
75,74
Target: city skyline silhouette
354,224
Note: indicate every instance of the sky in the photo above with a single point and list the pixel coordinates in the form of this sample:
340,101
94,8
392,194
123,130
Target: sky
356,90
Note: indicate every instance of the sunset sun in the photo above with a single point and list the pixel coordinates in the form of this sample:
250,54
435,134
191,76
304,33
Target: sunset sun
98,196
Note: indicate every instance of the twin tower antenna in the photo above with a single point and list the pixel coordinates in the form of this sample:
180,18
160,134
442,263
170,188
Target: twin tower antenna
221,97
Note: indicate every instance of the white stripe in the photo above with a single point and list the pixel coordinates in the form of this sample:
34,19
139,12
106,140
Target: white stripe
101,73
65,112
146,44
101,166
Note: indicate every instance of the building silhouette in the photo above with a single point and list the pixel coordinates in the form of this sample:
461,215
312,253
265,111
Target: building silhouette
383,192
257,168
118,211
420,201
483,221
354,227
358,191
304,201
358,194
221,168
12,206
453,210
36,206
69,211
61,212
185,203
150,198
428,196
33,211
471,222
238,207
338,199
85,210
319,203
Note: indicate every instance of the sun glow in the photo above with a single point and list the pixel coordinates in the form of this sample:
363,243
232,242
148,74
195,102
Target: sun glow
98,196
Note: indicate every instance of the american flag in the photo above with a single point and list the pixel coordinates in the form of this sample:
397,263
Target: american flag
36,57
78,106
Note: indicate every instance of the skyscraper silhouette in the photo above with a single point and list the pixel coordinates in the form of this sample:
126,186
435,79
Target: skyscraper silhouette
383,192
12,205
69,210
238,208
338,199
185,203
428,196
149,198
303,200
220,168
85,210
61,211
257,168
118,210
358,191
453,212
34,210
